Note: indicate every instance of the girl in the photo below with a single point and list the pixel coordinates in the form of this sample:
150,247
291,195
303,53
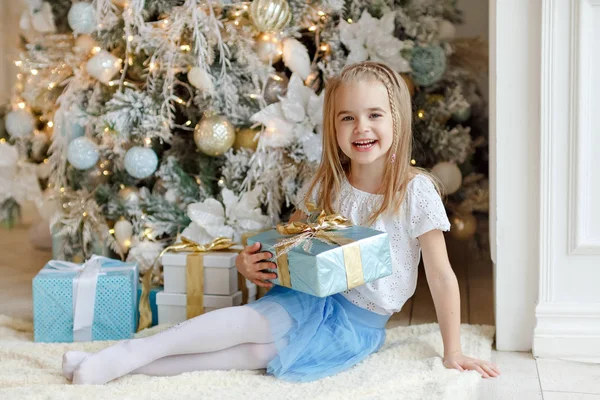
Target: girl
365,175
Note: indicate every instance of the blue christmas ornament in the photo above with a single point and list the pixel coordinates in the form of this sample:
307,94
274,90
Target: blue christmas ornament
141,162
428,65
72,130
82,153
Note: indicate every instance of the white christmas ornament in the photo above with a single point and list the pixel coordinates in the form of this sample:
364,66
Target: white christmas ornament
295,57
373,39
38,16
85,43
446,30
295,118
82,153
236,215
82,18
200,79
103,66
449,175
19,123
140,162
123,233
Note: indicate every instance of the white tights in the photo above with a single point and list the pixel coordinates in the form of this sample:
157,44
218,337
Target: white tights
228,338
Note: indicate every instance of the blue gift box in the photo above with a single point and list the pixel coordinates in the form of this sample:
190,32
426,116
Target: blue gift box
96,300
323,269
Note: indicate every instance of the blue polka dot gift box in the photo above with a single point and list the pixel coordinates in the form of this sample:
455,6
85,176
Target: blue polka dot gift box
96,300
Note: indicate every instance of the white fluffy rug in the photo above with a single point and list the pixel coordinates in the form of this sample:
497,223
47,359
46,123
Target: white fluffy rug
407,367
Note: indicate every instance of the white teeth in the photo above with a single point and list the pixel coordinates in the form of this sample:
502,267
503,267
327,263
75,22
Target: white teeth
364,143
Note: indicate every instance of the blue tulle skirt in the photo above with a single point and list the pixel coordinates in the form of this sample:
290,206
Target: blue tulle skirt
318,337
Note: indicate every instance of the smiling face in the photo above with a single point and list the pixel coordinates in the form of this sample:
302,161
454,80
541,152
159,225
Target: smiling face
363,121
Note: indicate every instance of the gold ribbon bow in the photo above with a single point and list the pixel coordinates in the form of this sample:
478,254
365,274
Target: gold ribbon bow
194,267
325,228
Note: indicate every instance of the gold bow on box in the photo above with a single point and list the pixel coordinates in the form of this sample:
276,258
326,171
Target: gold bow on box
324,228
194,267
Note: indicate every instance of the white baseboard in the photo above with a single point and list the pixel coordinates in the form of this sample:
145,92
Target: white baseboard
567,331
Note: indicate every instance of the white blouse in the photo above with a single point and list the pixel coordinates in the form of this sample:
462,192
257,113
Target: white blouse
421,211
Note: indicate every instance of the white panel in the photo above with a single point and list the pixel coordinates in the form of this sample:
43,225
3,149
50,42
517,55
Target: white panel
584,221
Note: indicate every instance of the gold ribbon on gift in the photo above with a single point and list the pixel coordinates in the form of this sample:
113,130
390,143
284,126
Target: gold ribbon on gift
325,228
194,267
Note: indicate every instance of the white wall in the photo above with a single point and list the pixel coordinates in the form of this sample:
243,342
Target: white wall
514,167
568,311
10,12
476,21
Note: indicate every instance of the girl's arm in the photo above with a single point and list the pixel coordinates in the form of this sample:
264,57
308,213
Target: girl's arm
446,297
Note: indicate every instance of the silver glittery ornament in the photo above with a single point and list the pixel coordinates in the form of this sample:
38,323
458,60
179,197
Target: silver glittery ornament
214,134
276,87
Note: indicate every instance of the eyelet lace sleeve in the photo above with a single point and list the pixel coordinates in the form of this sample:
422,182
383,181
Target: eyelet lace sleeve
426,211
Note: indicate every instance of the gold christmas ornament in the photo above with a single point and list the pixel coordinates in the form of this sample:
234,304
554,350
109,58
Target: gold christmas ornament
246,138
130,195
270,15
214,134
463,226
268,48
409,82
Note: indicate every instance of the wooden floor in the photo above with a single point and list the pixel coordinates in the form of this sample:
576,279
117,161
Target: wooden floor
474,271
523,377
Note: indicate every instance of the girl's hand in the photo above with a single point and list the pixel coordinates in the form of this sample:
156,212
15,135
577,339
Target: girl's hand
250,264
461,363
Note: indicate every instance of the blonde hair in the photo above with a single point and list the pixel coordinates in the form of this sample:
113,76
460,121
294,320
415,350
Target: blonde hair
335,164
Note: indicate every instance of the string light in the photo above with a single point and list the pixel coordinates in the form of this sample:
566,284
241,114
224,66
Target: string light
46,161
51,85
130,39
96,50
2,140
180,100
34,72
153,66
185,47
421,114
321,14
312,28
188,123
324,47
236,22
19,76
21,105
130,61
105,173
349,20
111,231
245,7
413,162
85,214
127,243
62,189
148,141
50,124
18,63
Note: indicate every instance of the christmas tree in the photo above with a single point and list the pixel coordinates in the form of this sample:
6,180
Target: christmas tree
133,121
